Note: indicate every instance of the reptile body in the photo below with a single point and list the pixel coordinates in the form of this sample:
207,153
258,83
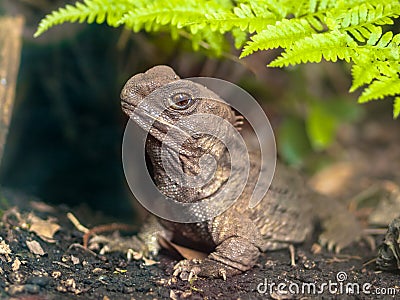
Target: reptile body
235,238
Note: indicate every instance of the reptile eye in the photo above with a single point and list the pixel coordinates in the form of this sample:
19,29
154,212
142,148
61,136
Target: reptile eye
181,101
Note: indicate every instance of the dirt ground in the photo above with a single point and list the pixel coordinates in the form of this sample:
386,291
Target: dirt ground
63,271
41,256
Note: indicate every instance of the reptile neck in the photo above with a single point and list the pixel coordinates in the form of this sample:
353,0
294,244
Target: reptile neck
181,193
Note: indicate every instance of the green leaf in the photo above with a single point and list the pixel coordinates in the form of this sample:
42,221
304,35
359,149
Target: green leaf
342,109
292,140
396,108
321,126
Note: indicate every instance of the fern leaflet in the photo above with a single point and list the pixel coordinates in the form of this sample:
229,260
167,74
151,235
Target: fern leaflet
307,30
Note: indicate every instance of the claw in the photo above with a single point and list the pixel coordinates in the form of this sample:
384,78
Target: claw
181,264
222,273
186,269
331,245
193,272
292,252
322,241
196,260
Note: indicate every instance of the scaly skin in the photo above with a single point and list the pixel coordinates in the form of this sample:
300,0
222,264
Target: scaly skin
389,251
235,238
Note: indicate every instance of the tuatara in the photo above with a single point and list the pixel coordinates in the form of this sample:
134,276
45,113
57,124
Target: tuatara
235,238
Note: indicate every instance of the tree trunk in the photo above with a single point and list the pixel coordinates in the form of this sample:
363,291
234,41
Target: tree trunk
10,51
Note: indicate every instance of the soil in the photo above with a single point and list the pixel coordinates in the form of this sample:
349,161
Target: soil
63,271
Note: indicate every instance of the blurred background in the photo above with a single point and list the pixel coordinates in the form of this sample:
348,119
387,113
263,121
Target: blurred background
64,141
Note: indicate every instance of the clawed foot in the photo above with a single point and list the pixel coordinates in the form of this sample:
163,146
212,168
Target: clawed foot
340,233
189,269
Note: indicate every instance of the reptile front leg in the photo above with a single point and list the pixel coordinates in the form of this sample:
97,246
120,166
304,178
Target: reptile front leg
237,249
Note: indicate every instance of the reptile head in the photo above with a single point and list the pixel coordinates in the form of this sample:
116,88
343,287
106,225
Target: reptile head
158,99
188,122
190,132
141,85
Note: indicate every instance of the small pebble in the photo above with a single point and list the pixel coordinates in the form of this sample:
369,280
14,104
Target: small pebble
75,260
98,270
56,274
269,263
309,264
16,264
84,263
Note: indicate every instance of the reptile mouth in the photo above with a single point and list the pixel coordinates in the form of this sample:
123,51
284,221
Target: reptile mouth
156,122
148,121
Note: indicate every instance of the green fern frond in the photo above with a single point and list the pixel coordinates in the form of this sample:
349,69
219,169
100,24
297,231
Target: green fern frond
161,13
255,16
378,60
357,31
362,21
210,40
331,46
90,11
240,37
366,72
366,13
280,9
321,5
283,34
380,88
